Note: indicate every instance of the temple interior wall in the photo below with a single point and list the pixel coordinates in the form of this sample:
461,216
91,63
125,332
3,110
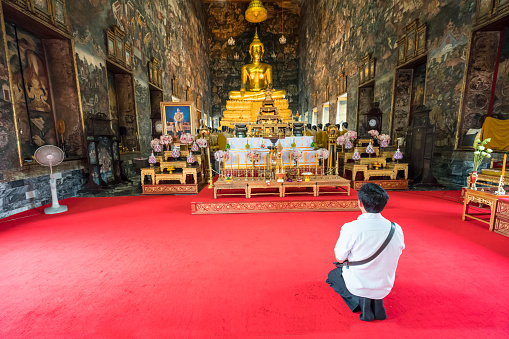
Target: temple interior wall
173,31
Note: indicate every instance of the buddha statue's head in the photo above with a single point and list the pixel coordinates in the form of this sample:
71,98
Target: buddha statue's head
256,48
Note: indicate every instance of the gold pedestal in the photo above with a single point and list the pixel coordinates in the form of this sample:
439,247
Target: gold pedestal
246,111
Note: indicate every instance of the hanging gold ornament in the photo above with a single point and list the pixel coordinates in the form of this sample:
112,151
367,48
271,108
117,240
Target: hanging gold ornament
256,12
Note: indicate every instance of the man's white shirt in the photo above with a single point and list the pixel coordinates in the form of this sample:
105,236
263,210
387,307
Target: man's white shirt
359,240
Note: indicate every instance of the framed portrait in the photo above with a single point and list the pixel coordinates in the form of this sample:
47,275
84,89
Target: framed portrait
178,117
483,10
402,50
119,50
41,6
421,39
58,6
111,43
372,62
502,5
128,55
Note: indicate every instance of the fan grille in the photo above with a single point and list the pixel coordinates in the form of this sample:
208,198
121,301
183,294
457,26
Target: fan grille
49,154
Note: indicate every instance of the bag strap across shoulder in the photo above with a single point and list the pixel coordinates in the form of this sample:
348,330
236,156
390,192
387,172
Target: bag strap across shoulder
384,245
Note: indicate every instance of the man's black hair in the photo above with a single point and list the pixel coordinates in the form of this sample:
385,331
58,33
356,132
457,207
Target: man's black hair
345,125
308,126
314,127
373,197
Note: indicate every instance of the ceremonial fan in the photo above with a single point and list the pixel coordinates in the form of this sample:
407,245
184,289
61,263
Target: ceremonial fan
49,155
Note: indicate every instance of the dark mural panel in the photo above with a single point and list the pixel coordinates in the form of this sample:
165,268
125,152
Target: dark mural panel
31,90
8,145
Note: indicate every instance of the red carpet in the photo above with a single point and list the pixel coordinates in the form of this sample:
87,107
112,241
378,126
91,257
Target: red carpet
144,267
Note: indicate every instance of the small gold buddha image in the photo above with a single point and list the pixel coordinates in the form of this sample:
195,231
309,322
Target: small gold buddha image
258,74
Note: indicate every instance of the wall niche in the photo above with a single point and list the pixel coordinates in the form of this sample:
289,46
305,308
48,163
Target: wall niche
44,82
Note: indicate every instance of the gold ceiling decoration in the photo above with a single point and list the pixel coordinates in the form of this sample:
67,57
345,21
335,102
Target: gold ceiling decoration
256,12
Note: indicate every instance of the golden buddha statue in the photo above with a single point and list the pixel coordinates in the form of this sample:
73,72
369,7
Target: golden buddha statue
243,107
258,74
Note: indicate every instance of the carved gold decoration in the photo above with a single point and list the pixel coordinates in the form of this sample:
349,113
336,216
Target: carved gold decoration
412,44
342,84
155,76
385,184
273,206
367,70
170,189
119,51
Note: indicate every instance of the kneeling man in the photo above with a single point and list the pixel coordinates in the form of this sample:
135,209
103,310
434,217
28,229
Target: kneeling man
360,240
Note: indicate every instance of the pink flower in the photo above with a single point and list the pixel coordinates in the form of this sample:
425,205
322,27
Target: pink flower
202,143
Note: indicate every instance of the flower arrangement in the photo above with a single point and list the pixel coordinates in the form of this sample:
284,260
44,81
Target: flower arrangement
202,143
370,149
397,155
322,153
252,155
221,156
347,138
195,148
341,140
166,140
190,158
296,153
175,153
352,135
356,156
374,133
481,152
186,138
155,142
384,140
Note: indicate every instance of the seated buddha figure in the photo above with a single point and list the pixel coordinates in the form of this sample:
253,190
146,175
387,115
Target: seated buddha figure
259,76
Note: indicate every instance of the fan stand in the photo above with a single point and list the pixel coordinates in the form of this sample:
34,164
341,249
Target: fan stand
55,206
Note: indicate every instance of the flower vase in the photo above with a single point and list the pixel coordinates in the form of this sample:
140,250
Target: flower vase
473,180
152,159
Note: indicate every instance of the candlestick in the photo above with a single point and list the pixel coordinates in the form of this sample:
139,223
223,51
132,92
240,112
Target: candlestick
231,165
337,164
219,166
316,166
503,165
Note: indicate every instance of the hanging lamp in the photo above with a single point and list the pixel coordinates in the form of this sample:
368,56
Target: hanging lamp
282,39
256,12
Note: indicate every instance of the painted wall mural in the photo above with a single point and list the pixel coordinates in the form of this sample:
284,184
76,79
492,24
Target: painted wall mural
226,20
336,35
173,31
31,96
8,141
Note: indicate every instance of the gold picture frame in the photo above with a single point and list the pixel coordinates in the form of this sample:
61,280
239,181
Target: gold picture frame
411,37
421,39
110,36
119,49
483,10
59,9
401,50
178,117
501,6
342,84
128,57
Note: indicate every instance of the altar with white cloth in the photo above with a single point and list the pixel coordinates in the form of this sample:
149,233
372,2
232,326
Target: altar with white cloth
239,147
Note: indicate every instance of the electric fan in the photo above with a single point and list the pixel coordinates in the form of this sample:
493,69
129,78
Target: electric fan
49,155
